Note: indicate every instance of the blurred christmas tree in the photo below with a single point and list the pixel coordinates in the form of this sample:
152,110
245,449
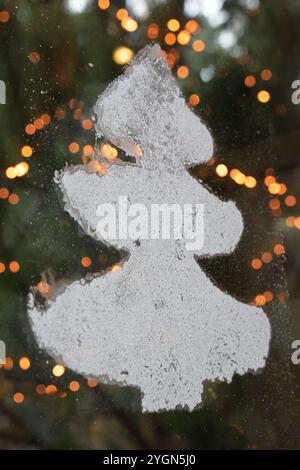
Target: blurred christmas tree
235,62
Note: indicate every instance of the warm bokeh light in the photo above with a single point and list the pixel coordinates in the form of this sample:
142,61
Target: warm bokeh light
256,263
18,398
116,268
263,96
260,300
170,39
269,180
40,389
129,24
46,119
39,124
9,363
103,4
24,363
274,188
297,223
266,74
11,172
74,147
274,204
121,14
153,31
222,170
88,150
109,152
86,262
250,182
290,221
14,267
26,151
192,26
240,178
87,124
43,287
122,55
13,199
267,257
250,81
172,57
51,390
60,113
34,57
58,370
183,71
283,189
4,193
74,386
30,129
184,37
268,295
194,99
4,16
22,168
92,383
279,249
290,201
97,167
233,173
2,268
173,25
199,45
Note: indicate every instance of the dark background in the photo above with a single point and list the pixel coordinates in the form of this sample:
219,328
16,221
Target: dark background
55,62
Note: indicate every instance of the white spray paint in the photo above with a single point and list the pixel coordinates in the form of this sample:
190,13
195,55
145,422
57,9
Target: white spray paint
159,323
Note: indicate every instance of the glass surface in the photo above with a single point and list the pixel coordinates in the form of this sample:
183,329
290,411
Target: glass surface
237,63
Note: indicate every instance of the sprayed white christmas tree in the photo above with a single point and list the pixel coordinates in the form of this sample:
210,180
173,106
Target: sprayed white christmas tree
158,323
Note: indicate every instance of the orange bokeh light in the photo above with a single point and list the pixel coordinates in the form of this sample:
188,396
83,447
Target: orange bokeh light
192,26
183,71
153,31
266,74
267,257
26,151
279,249
170,39
194,99
14,267
263,96
4,16
250,81
199,45
24,363
43,287
184,37
74,386
87,124
13,199
4,193
173,25
86,262
121,14
18,398
30,129
290,201
256,263
103,4
74,147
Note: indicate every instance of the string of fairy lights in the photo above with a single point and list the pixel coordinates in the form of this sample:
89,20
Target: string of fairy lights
98,160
